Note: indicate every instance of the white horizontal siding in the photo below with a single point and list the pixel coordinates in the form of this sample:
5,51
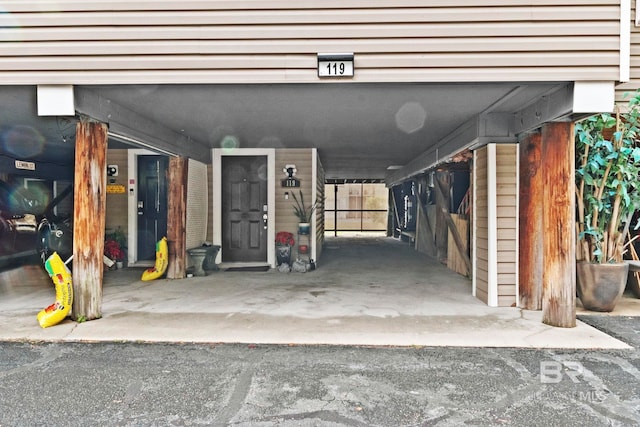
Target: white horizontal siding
481,232
495,236
290,76
225,31
277,41
284,213
445,60
634,81
507,221
197,5
301,46
314,16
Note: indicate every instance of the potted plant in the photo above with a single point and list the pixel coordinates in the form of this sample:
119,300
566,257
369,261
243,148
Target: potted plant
303,212
607,174
284,242
114,247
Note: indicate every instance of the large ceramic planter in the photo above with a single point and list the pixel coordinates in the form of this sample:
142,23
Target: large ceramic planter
283,254
600,286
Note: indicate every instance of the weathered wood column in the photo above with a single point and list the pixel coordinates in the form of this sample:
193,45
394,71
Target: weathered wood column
558,225
90,181
530,223
177,217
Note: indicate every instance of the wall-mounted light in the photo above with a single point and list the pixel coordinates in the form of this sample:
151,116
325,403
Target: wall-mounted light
290,170
290,181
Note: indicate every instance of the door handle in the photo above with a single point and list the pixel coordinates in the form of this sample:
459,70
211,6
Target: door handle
265,217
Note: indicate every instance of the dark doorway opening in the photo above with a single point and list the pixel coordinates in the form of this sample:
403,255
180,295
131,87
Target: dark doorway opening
152,203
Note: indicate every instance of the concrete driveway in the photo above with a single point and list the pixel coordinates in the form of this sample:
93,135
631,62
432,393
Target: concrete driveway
137,384
366,291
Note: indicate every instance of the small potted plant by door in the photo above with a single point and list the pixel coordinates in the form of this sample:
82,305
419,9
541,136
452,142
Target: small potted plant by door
284,242
114,247
607,177
303,212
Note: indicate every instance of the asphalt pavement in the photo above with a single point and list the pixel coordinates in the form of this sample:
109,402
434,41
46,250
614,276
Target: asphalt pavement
139,384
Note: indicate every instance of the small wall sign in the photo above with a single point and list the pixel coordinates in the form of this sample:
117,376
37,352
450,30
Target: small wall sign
335,65
291,182
30,166
115,189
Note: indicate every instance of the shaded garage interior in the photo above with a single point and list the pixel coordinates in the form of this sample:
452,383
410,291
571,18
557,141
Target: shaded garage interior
388,133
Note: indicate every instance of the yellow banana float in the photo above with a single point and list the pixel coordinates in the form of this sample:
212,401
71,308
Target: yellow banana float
61,276
162,261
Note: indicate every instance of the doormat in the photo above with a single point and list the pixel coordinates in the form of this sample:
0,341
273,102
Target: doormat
255,268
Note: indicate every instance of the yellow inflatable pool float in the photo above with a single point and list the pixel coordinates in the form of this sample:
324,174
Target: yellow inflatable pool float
162,261
61,276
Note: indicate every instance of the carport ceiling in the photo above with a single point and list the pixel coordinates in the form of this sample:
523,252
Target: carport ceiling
359,129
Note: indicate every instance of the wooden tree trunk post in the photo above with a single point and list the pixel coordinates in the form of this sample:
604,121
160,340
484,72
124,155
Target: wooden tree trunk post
90,181
177,217
530,223
442,205
558,225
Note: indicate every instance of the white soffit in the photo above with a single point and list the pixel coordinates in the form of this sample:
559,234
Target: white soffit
593,97
56,100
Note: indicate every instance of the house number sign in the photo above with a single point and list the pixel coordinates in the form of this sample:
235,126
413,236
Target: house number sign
335,65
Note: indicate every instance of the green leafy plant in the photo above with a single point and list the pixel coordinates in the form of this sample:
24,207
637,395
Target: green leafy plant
607,174
302,211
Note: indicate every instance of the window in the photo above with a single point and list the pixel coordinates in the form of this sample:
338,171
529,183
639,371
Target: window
356,207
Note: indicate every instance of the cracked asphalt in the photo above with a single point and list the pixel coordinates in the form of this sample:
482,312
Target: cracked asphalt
138,384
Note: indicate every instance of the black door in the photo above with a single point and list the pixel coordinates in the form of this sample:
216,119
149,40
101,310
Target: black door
244,207
152,204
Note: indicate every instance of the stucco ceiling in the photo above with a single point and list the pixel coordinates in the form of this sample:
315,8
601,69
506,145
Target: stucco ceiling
359,129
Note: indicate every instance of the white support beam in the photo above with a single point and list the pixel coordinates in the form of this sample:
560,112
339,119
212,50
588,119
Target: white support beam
129,125
476,132
503,127
556,105
565,104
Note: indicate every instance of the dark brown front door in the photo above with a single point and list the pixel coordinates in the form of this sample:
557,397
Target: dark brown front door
244,204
